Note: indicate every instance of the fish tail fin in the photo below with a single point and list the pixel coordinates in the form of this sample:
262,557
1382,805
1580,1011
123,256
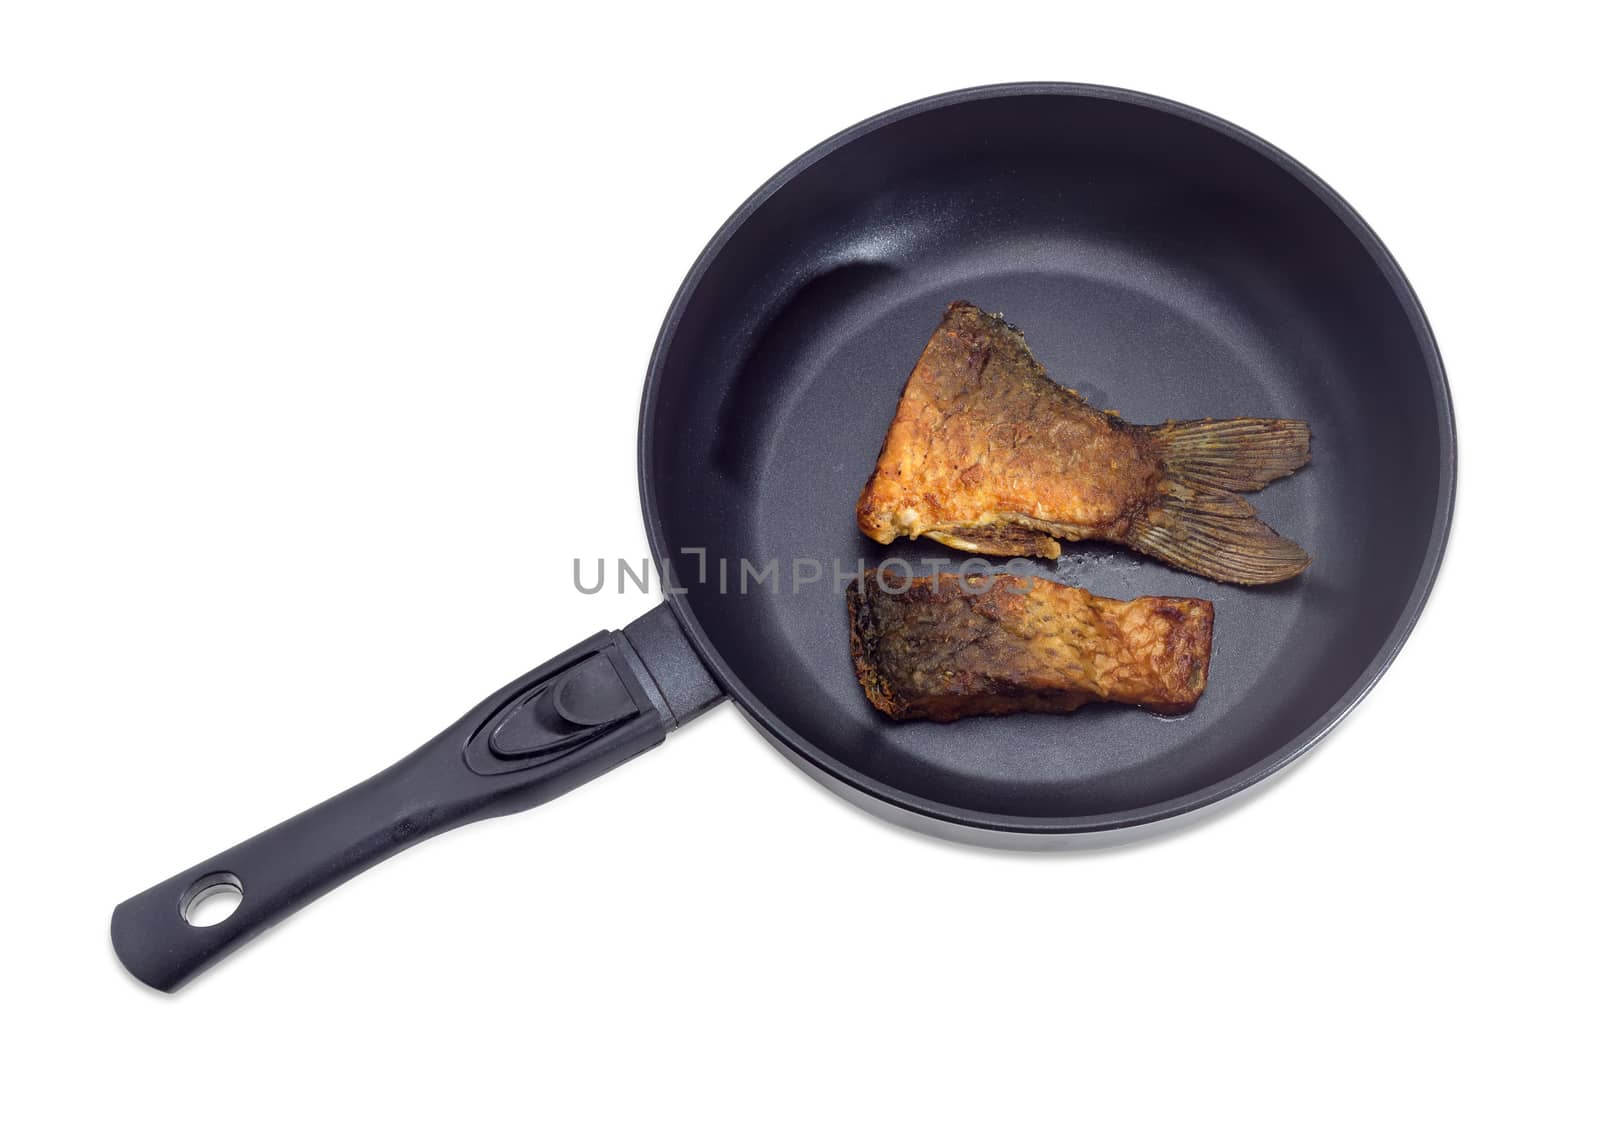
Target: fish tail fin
1200,523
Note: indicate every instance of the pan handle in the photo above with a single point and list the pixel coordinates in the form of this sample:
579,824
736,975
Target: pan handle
606,700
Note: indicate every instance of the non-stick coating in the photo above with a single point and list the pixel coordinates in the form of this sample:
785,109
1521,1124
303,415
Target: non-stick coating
1161,262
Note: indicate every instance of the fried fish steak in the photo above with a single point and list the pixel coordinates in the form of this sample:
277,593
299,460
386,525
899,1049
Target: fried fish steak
950,646
987,454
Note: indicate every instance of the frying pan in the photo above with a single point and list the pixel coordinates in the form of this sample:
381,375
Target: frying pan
1163,262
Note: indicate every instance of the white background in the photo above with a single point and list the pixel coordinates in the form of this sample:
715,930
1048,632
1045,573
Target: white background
292,300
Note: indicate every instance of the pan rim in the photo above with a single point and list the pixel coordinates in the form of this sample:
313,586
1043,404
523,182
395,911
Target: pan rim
972,824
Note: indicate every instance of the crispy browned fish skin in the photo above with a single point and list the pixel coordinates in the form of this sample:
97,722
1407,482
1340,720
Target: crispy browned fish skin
927,648
987,454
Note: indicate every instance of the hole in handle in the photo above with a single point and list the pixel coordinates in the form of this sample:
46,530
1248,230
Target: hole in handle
211,899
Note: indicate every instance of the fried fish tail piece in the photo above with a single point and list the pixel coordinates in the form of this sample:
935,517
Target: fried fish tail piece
987,454
940,649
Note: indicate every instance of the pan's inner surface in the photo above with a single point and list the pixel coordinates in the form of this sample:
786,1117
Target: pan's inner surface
1159,266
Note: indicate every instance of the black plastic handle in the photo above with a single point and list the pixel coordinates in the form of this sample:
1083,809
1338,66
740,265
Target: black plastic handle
606,700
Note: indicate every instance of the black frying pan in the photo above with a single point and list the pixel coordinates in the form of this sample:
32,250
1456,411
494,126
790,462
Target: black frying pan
1163,262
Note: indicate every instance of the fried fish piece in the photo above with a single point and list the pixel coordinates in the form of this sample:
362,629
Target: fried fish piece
987,454
937,648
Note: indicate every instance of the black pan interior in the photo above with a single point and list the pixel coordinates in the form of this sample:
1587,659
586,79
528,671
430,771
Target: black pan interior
1162,264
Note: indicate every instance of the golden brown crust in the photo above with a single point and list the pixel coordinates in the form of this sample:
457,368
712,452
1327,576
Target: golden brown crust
985,446
987,454
949,647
